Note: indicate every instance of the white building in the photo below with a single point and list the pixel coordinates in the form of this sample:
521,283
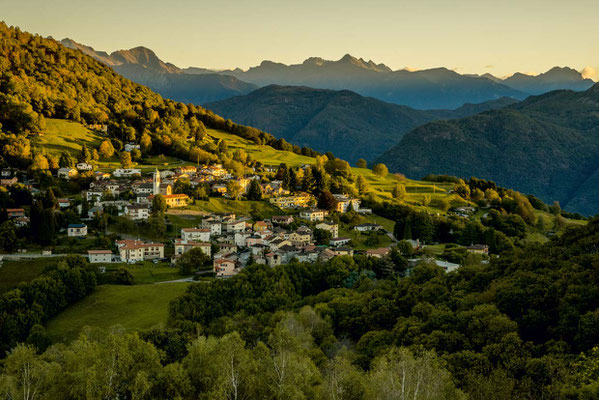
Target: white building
83,166
312,214
329,227
195,234
126,172
99,256
136,250
67,173
182,247
77,230
138,211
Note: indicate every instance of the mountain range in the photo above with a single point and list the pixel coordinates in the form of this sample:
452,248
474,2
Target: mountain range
143,66
425,89
547,145
349,125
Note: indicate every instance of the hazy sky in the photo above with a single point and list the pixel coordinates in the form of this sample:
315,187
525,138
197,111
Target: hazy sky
471,36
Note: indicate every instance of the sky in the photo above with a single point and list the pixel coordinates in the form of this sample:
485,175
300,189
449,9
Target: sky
469,36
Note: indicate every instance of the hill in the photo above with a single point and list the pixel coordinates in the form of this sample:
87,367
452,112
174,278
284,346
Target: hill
437,88
143,66
547,145
350,125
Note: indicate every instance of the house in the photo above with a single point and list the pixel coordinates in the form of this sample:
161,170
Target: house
182,247
138,211
235,226
99,256
174,200
278,243
312,215
219,188
15,212
93,195
260,226
367,227
91,213
343,203
344,251
478,249
8,181
273,259
298,201
21,222
300,238
67,173
77,230
195,234
100,176
126,172
187,169
341,241
227,248
64,203
329,227
131,146
136,250
282,219
224,268
83,166
241,238
378,253
166,189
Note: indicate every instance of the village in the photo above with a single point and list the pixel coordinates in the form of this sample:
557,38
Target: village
299,232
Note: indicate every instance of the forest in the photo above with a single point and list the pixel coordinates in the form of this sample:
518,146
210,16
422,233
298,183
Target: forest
523,326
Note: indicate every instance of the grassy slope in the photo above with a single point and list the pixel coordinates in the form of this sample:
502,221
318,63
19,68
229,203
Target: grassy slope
62,135
133,307
14,272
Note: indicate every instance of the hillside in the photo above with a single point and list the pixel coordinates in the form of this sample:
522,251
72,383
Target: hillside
350,125
143,66
546,145
437,88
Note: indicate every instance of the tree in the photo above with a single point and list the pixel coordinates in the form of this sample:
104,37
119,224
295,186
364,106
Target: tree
399,192
255,190
322,236
8,236
135,154
193,260
398,374
362,185
66,161
126,161
326,201
145,143
361,163
106,149
158,205
233,189
40,163
84,155
380,170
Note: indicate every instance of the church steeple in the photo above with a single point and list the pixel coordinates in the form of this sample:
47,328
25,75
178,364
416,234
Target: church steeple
156,182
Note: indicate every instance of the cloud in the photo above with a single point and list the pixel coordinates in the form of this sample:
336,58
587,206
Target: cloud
589,72
489,66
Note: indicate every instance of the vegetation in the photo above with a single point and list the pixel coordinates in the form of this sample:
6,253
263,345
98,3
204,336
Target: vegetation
546,145
134,307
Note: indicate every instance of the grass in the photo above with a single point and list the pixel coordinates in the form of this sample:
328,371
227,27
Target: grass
65,136
241,207
14,272
132,307
265,154
147,272
360,240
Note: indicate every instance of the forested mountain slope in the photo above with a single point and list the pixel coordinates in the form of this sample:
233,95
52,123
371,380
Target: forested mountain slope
350,125
547,145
